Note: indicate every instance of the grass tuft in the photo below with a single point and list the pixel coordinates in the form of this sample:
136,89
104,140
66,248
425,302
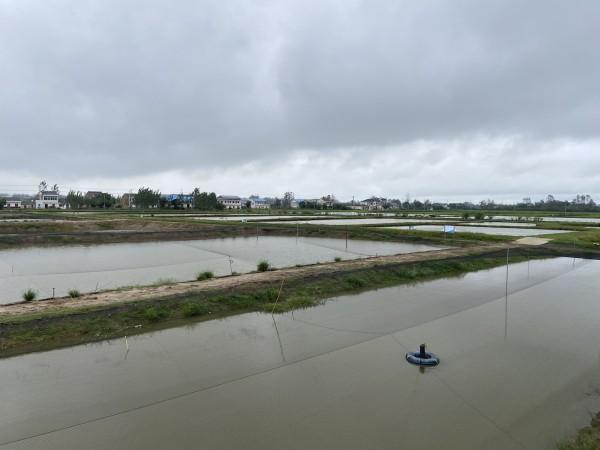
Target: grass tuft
204,275
29,295
263,266
74,293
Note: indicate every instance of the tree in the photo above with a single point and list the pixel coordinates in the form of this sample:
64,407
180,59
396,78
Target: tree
205,201
55,188
287,200
2,203
248,204
43,186
75,200
147,198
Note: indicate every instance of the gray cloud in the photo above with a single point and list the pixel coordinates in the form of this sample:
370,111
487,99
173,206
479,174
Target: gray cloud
123,90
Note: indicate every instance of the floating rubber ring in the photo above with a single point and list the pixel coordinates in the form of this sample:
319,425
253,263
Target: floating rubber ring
415,358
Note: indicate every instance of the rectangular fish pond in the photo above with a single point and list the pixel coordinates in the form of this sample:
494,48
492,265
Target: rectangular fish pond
97,267
520,369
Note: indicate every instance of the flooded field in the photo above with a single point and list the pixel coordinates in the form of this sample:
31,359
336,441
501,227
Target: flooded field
517,371
555,219
371,221
502,231
91,268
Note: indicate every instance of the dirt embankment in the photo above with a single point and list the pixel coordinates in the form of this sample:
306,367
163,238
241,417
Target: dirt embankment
250,280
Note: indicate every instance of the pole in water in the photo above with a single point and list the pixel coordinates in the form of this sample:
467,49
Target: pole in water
506,298
346,239
52,292
422,351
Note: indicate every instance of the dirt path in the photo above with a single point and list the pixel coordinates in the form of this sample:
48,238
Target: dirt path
246,280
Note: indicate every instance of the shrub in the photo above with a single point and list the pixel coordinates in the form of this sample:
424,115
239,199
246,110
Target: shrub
204,275
154,314
479,216
191,309
337,259
356,282
74,293
263,266
29,295
466,216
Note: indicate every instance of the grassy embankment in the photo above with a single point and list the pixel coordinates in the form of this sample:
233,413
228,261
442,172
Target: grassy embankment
74,326
588,438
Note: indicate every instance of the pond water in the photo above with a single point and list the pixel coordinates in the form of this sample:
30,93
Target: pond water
555,219
521,371
91,268
357,221
502,231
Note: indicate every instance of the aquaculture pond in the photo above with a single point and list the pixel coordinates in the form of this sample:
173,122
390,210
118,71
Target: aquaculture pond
520,368
92,268
501,231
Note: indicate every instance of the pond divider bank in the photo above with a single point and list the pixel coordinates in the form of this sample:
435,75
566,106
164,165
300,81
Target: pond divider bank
42,325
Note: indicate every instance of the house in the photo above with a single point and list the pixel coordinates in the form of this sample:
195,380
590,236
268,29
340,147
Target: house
374,203
230,201
327,201
127,200
14,204
182,200
46,200
257,202
89,195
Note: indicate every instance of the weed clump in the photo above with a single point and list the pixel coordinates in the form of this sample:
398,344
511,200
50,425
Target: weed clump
356,282
192,309
337,259
263,266
153,314
29,295
204,275
74,293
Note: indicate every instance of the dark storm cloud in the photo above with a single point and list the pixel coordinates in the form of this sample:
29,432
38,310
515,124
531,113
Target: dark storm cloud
119,89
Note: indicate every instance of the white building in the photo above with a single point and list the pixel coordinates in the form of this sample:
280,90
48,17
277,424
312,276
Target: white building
374,203
46,199
14,204
258,203
230,201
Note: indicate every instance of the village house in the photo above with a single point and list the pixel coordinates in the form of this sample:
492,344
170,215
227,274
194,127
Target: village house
127,200
374,203
257,202
14,204
230,201
327,201
47,200
185,201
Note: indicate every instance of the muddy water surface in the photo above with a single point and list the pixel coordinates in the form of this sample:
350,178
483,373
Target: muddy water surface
519,371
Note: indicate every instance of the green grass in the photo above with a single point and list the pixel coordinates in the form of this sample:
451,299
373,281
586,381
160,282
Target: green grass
29,295
74,326
588,238
588,438
204,275
262,266
74,293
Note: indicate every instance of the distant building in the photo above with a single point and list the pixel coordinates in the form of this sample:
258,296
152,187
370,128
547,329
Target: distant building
374,203
14,204
46,200
327,201
230,201
187,201
127,200
92,194
257,202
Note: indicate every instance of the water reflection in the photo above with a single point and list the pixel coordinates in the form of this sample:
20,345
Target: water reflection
335,375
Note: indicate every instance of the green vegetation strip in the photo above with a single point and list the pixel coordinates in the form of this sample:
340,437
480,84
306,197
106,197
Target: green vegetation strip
74,326
588,438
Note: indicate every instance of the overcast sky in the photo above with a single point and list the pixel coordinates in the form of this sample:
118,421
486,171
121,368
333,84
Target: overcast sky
440,99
